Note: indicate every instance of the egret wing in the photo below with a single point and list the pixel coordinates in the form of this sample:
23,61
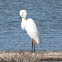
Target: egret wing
32,30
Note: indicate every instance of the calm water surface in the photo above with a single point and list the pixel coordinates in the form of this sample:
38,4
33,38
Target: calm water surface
47,15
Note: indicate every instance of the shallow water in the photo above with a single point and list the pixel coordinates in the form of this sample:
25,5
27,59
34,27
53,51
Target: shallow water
47,15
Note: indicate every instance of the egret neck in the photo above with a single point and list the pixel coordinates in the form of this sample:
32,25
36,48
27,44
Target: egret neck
24,19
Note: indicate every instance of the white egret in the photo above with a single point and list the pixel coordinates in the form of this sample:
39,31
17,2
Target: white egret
30,26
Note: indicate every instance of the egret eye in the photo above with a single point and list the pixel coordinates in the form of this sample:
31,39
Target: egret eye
22,14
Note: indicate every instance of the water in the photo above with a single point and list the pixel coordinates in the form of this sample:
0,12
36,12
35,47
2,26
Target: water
47,15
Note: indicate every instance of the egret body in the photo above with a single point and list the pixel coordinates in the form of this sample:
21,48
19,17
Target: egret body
31,28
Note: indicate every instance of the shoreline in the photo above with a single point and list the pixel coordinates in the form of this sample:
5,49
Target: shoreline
29,56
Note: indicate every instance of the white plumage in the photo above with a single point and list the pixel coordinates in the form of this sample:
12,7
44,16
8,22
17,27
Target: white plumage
33,31
30,26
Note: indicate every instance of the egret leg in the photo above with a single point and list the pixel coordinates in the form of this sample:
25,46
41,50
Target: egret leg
32,45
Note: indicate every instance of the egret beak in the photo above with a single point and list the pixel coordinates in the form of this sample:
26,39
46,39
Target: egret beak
25,19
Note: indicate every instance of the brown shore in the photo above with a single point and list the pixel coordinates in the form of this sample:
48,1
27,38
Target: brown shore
29,56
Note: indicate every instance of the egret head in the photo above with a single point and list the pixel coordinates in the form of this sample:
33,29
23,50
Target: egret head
23,13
